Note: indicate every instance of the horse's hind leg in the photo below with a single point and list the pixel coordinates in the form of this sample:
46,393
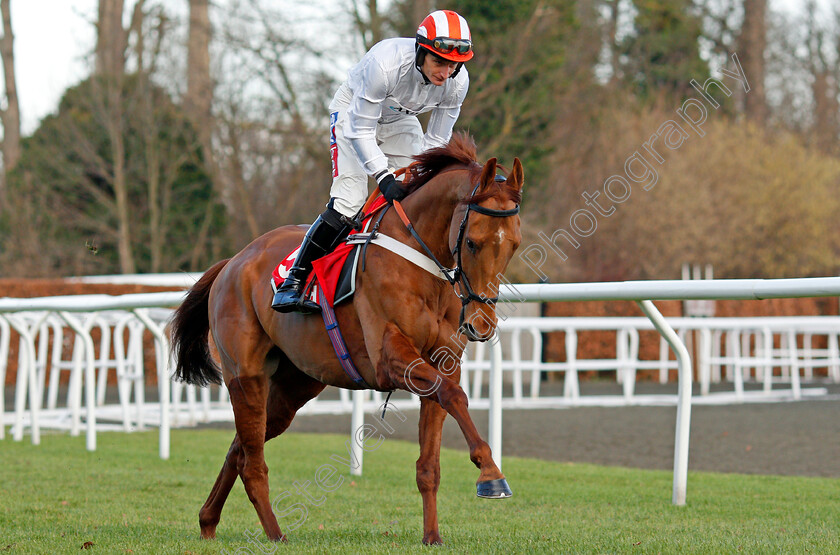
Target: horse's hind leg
248,397
210,513
289,389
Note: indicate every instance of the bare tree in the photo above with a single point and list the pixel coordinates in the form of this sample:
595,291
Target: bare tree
368,23
111,42
752,44
404,16
110,38
523,53
422,8
272,148
611,30
10,117
721,24
825,73
198,99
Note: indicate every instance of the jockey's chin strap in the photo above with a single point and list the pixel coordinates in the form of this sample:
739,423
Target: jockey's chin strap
456,276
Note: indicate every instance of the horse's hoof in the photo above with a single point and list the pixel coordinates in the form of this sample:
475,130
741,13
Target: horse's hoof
493,489
433,538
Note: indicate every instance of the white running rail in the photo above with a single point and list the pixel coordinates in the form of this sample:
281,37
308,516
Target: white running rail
28,316
643,293
80,312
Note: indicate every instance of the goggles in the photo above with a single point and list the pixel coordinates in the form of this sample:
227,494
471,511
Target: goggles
446,45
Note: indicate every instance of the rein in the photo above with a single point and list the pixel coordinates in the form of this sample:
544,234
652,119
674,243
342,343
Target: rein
456,276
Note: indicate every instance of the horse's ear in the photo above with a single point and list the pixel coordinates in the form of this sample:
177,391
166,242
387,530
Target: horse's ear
516,179
488,174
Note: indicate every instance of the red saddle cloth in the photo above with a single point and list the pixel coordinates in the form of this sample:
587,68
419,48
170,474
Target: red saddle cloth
327,269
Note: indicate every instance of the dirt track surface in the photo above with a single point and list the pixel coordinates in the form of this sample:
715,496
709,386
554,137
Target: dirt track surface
797,438
787,438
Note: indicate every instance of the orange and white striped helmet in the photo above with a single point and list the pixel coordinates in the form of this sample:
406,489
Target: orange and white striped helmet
447,34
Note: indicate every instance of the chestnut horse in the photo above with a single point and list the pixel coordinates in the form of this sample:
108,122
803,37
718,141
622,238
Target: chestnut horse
401,319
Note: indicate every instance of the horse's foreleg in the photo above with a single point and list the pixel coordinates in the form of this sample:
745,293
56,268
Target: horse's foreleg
211,512
404,365
428,466
248,398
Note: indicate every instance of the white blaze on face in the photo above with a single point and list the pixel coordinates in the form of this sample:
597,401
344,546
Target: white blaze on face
501,235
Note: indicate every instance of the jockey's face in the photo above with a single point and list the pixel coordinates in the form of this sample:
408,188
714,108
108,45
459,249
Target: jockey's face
437,70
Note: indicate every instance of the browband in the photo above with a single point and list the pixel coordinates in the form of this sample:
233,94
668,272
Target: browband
492,212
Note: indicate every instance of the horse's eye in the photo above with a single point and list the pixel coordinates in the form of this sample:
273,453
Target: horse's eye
472,246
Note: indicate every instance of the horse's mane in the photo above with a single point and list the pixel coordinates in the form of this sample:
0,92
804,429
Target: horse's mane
461,150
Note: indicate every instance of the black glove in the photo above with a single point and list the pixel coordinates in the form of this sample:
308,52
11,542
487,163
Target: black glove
389,186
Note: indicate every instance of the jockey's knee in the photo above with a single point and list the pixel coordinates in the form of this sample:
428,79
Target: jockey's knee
349,193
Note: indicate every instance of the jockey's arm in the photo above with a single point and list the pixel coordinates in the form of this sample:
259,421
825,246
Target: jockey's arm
362,116
443,119
439,130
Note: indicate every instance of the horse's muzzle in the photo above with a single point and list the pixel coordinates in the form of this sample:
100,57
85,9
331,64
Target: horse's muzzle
472,334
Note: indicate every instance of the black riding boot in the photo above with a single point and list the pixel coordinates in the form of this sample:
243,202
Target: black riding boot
328,230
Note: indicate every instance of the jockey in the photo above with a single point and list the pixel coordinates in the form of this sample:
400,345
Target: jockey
374,130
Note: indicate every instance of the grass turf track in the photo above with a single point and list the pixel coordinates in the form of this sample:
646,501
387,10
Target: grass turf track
56,497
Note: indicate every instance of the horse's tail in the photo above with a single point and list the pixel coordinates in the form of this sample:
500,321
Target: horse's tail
189,332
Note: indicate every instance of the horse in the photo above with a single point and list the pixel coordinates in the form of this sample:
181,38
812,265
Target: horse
401,322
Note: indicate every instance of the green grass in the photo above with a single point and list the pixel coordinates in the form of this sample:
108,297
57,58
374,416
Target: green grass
56,497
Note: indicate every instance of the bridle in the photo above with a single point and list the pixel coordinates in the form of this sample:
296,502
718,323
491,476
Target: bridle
456,276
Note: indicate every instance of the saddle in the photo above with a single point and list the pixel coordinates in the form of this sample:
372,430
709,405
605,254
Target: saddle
333,274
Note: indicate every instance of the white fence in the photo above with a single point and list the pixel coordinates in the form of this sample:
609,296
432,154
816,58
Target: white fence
729,348
774,351
34,318
643,293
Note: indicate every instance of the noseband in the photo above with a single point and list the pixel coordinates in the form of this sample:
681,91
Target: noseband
456,276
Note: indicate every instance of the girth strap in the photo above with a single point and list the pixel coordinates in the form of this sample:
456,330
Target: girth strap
337,340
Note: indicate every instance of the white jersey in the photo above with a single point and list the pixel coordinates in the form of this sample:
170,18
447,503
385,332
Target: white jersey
386,86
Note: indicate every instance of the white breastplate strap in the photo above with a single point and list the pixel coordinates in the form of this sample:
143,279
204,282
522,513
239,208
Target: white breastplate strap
400,249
